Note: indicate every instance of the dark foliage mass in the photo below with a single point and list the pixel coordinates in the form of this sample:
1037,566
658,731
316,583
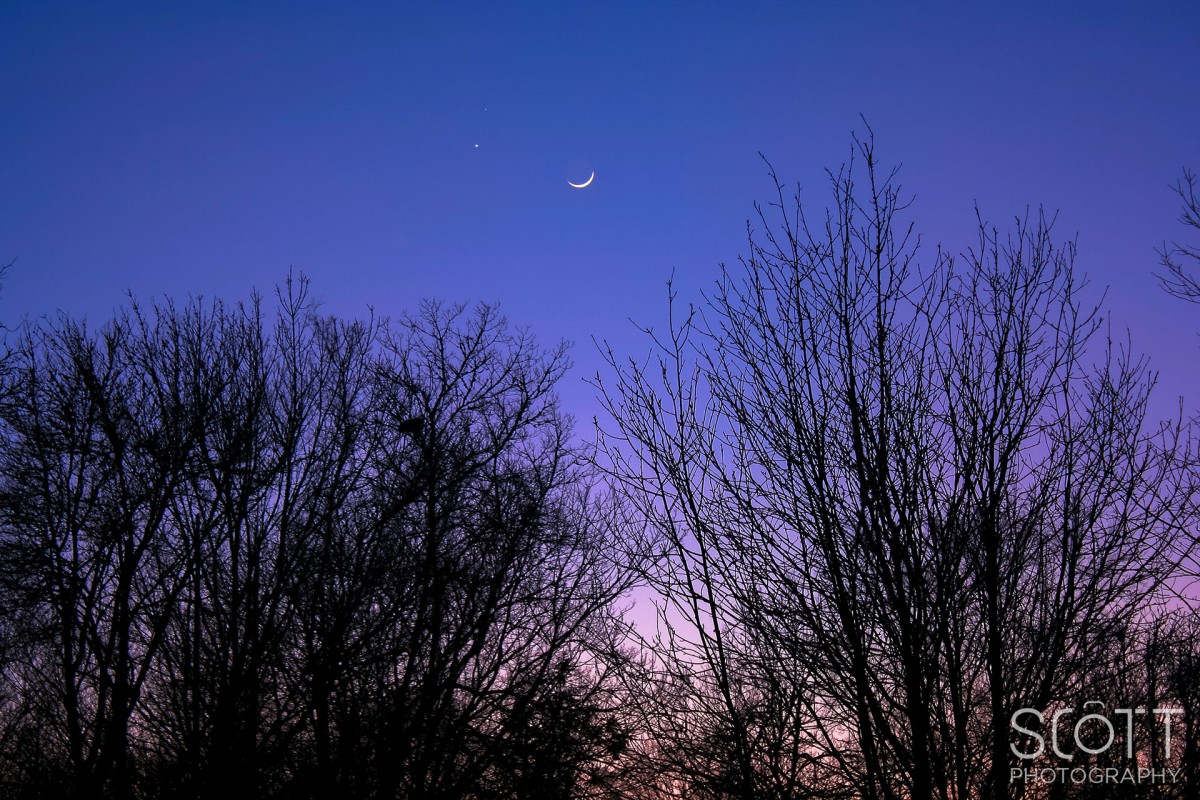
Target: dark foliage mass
881,504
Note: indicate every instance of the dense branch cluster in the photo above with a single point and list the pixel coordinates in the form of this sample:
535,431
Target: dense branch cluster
303,558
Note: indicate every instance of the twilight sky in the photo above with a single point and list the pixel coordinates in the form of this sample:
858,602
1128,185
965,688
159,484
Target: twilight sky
400,151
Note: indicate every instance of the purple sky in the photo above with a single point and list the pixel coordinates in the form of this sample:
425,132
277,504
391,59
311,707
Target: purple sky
394,155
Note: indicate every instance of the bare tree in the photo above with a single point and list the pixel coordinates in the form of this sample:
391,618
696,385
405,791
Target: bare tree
96,433
502,572
241,679
305,558
1180,259
908,491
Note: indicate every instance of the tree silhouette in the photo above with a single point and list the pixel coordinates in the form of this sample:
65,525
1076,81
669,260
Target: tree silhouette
1180,259
907,489
884,502
299,557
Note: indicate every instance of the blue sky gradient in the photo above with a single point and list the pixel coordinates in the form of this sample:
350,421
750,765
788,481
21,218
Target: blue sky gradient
395,152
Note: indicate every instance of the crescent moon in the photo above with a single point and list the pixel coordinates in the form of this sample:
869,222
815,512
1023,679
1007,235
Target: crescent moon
585,184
